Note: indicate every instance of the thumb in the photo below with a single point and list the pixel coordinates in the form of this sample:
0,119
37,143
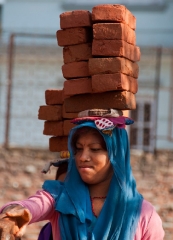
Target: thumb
21,231
21,214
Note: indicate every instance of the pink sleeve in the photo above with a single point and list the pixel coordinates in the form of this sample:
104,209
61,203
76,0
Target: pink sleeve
150,224
154,229
40,205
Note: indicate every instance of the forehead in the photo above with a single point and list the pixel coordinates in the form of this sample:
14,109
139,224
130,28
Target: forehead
93,137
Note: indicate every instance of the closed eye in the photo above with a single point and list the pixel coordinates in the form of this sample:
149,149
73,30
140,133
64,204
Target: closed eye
79,149
96,149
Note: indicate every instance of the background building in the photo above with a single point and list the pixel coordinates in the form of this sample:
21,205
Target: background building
32,60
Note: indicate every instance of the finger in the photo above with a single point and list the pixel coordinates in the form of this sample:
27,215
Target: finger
21,232
6,225
8,228
7,236
15,230
13,226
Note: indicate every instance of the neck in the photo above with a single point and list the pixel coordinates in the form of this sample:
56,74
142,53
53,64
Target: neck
100,189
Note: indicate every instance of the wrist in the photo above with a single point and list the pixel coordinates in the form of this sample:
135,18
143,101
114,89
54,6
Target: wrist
9,207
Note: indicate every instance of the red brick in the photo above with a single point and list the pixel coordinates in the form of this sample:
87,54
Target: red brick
115,48
117,31
54,128
115,99
126,113
76,53
77,86
72,36
66,115
58,144
113,13
77,18
50,113
113,65
54,96
67,126
116,81
75,70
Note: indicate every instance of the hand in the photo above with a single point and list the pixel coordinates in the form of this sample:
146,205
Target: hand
13,222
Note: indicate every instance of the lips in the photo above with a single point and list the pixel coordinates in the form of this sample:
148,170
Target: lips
85,167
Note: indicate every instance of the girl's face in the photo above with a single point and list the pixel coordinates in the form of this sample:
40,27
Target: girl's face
92,159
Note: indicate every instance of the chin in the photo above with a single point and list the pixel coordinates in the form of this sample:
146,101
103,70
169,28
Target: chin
87,180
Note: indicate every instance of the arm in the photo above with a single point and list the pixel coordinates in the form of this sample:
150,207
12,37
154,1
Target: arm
150,224
14,219
40,205
154,228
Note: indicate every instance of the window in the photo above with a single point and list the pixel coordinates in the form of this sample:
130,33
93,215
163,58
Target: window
0,18
142,132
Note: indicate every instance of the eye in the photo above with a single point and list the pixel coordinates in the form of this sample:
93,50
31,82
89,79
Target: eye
95,149
78,149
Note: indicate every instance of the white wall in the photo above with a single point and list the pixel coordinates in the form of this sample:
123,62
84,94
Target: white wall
31,16
154,26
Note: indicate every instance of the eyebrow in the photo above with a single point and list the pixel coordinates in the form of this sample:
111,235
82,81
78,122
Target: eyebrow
89,144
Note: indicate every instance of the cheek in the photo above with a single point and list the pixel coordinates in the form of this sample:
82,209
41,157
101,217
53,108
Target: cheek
102,163
102,159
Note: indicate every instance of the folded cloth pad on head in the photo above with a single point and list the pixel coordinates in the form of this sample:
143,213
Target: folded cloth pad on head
100,113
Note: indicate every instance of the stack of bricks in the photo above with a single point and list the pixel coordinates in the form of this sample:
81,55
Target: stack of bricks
57,121
100,68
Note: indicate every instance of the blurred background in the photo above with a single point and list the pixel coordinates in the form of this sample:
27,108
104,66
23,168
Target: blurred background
30,63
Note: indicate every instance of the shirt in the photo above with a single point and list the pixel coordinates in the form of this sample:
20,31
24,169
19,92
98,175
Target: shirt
41,206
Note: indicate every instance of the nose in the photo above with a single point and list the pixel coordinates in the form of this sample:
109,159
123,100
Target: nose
84,155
